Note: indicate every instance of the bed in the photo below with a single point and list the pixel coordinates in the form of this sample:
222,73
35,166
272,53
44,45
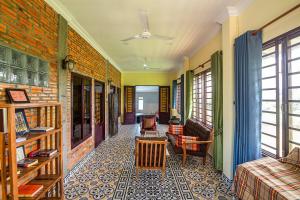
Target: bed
268,178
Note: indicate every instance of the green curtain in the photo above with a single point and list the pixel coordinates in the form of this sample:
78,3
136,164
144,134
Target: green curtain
217,81
189,94
174,91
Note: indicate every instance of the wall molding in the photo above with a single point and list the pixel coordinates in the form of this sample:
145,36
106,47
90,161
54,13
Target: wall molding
63,11
233,10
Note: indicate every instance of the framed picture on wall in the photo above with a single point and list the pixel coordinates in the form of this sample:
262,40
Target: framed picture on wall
17,95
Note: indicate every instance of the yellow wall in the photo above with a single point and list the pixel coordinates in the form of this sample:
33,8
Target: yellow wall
203,54
144,78
262,11
258,13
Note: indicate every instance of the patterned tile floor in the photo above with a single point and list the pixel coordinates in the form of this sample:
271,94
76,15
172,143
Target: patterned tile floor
109,173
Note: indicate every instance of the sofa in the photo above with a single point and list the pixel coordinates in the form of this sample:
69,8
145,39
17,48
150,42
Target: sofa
194,139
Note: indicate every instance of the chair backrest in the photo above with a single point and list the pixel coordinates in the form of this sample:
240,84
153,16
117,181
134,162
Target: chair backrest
194,128
148,121
150,153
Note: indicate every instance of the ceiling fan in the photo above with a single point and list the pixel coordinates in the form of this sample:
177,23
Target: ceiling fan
147,67
146,34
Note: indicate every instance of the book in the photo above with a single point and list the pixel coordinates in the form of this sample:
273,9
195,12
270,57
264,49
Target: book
27,162
41,129
20,139
3,120
29,190
42,153
7,174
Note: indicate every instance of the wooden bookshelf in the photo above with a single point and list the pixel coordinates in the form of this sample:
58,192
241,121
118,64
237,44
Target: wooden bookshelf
49,170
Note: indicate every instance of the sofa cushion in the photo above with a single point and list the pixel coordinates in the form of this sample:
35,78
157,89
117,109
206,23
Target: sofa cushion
193,128
175,129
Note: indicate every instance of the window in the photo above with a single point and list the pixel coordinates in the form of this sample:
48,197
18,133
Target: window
178,98
202,98
141,103
280,123
81,109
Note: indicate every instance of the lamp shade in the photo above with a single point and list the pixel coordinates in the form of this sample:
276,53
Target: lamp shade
174,112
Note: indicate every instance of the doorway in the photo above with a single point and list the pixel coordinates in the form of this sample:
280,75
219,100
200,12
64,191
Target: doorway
113,111
99,112
146,101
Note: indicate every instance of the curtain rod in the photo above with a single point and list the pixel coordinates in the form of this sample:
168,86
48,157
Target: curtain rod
277,18
202,65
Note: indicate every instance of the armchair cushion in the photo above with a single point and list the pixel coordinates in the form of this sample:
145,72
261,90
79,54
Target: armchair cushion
148,123
175,129
181,139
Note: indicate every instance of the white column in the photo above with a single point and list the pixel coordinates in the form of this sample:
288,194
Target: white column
229,33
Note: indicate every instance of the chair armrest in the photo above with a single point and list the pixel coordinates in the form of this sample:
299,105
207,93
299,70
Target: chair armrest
197,142
185,137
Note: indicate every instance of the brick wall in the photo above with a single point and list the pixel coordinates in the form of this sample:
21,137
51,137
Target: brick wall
89,63
115,75
31,26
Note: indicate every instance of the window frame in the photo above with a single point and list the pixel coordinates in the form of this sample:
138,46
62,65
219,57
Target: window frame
140,99
84,136
282,91
199,97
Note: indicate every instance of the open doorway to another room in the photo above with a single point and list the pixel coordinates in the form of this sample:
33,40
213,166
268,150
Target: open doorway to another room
147,101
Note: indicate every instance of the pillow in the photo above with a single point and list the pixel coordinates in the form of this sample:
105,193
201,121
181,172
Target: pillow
293,157
148,122
175,129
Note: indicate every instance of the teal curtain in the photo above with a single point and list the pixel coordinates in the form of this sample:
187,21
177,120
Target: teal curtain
217,107
182,98
189,93
247,74
174,91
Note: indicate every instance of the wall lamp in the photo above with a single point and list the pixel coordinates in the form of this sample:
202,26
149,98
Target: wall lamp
109,80
68,63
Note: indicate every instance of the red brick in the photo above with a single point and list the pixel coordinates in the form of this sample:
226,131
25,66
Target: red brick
2,28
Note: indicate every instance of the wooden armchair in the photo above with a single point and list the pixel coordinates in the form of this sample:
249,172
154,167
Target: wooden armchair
150,153
207,144
195,139
148,123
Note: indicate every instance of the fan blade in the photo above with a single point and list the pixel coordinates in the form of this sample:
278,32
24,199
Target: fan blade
151,67
131,38
161,37
144,20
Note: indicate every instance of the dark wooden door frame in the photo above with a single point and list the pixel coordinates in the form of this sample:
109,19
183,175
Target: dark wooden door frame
73,145
129,118
164,117
102,108
112,128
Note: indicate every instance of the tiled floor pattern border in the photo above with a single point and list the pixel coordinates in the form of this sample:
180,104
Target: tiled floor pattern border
108,172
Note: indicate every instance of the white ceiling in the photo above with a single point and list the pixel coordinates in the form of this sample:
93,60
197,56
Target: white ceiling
190,22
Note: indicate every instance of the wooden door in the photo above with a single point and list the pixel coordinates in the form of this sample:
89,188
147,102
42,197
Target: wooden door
129,104
99,113
164,104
